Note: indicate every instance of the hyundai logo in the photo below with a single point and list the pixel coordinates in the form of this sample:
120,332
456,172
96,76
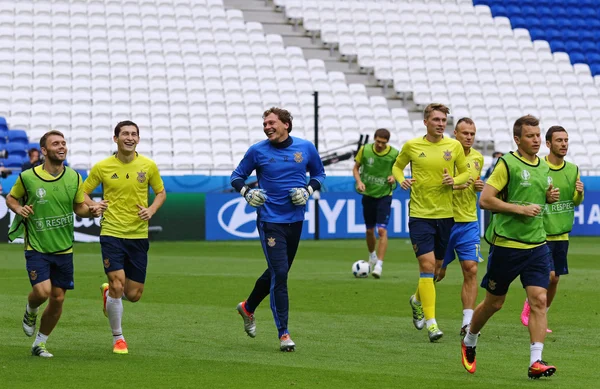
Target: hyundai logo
239,217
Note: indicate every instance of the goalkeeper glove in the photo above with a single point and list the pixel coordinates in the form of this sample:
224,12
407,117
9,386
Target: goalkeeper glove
254,197
300,195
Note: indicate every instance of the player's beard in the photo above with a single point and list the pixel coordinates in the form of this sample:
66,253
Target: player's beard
53,159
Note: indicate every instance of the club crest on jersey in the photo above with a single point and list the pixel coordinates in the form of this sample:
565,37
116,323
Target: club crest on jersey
298,157
141,177
106,263
33,275
476,164
447,155
271,242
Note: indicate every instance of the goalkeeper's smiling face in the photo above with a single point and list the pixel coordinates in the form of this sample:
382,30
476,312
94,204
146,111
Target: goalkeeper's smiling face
275,130
128,139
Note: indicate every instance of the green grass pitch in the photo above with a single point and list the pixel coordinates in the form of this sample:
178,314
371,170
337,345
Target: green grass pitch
350,333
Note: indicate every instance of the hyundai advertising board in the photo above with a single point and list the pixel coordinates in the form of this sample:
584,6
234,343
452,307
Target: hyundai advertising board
228,217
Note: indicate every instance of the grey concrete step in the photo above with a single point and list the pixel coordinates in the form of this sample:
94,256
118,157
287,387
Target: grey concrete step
248,5
282,29
300,41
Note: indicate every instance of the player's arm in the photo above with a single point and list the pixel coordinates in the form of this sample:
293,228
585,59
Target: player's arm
402,160
82,208
158,187
255,197
360,186
13,200
489,196
462,168
578,195
93,180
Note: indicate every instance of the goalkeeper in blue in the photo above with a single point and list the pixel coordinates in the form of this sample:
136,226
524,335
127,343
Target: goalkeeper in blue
281,162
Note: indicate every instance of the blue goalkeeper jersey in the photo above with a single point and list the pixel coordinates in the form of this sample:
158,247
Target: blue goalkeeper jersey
278,170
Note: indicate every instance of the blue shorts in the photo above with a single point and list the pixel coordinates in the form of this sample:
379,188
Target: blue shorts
429,235
559,249
58,268
505,264
465,241
130,255
376,211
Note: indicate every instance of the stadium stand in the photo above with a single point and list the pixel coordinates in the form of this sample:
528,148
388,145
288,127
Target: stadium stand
196,77
467,58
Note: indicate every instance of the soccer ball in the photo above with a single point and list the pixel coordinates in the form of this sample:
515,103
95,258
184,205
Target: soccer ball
361,269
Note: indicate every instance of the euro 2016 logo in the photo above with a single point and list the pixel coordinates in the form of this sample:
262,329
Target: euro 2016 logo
41,193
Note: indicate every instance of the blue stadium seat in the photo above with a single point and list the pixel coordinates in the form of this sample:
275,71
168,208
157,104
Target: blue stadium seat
537,34
4,135
586,35
34,145
18,136
14,161
595,68
513,10
553,35
16,149
589,46
557,46
3,124
572,46
577,57
518,22
498,10
593,57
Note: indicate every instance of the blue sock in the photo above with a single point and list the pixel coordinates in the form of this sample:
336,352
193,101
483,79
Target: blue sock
283,332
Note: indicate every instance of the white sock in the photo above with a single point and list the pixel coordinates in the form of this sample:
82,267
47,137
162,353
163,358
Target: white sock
40,338
536,352
32,310
467,316
471,339
430,322
547,309
373,255
114,309
379,263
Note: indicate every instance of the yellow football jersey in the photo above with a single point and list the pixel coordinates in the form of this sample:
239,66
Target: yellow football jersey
429,198
464,202
125,186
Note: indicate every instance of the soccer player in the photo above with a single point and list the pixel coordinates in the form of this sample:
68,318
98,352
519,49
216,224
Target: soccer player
375,181
464,237
559,217
125,178
281,162
44,199
432,158
516,193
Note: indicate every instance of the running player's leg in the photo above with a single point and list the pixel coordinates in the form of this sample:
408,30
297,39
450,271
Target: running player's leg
369,206
535,278
450,255
38,271
135,266
468,251
384,207
422,235
274,243
559,266
114,256
61,279
293,234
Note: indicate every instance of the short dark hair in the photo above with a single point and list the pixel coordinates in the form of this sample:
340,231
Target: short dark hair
283,115
464,120
31,151
497,153
123,124
552,130
527,120
382,133
435,107
44,137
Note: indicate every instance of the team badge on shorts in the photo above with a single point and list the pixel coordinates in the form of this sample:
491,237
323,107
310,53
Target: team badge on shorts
447,155
271,242
298,157
492,285
415,248
106,263
141,177
33,275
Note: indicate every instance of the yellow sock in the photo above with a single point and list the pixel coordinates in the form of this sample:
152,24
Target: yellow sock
417,295
427,294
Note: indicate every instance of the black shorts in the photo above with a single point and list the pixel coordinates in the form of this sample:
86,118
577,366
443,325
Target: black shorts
505,264
429,235
559,250
130,255
376,211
